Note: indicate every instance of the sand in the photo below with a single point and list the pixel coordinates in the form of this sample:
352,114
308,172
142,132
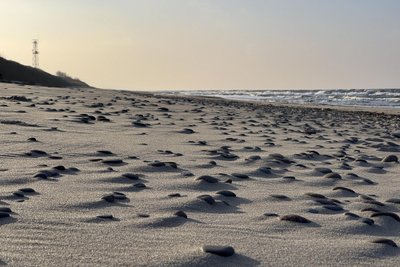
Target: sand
93,177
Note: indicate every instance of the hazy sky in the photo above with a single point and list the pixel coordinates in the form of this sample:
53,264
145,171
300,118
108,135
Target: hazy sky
209,44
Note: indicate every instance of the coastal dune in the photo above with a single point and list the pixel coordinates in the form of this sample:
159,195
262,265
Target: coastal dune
104,177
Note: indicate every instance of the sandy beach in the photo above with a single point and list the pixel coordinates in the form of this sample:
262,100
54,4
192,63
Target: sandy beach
92,177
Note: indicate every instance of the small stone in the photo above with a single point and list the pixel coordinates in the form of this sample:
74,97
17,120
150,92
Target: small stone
370,209
4,215
271,214
374,202
181,214
390,158
240,175
157,164
344,189
352,215
393,200
367,221
5,209
295,218
105,152
281,197
208,179
388,214
131,176
333,175
109,198
175,195
187,131
315,195
333,207
223,251
140,185
119,195
323,170
143,215
313,211
27,190
187,173
18,194
396,134
207,198
385,241
41,176
59,168
289,178
113,161
106,217
226,193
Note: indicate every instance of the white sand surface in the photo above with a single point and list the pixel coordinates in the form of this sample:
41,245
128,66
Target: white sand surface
57,225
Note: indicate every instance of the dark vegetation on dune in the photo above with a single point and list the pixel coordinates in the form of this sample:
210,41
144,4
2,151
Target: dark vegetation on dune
13,72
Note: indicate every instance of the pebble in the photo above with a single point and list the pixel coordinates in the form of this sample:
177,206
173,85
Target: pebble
181,214
157,164
18,194
143,215
393,200
313,210
187,131
289,178
5,209
105,152
333,207
223,251
315,195
390,158
352,215
385,241
295,218
112,161
344,189
114,196
207,198
333,175
240,175
187,173
374,202
323,170
4,215
367,221
175,195
140,185
59,168
281,197
389,214
208,179
226,193
271,214
27,190
131,176
106,217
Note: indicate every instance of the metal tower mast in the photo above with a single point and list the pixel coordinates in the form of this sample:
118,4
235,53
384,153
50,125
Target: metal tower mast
35,54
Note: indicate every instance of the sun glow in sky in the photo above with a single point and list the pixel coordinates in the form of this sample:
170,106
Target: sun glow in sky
209,44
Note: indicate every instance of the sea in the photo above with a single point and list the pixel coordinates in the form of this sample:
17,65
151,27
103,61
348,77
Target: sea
382,98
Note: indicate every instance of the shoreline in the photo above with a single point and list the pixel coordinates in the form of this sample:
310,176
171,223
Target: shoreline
362,109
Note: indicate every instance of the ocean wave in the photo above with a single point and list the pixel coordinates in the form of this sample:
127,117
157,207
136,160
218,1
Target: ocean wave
387,98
